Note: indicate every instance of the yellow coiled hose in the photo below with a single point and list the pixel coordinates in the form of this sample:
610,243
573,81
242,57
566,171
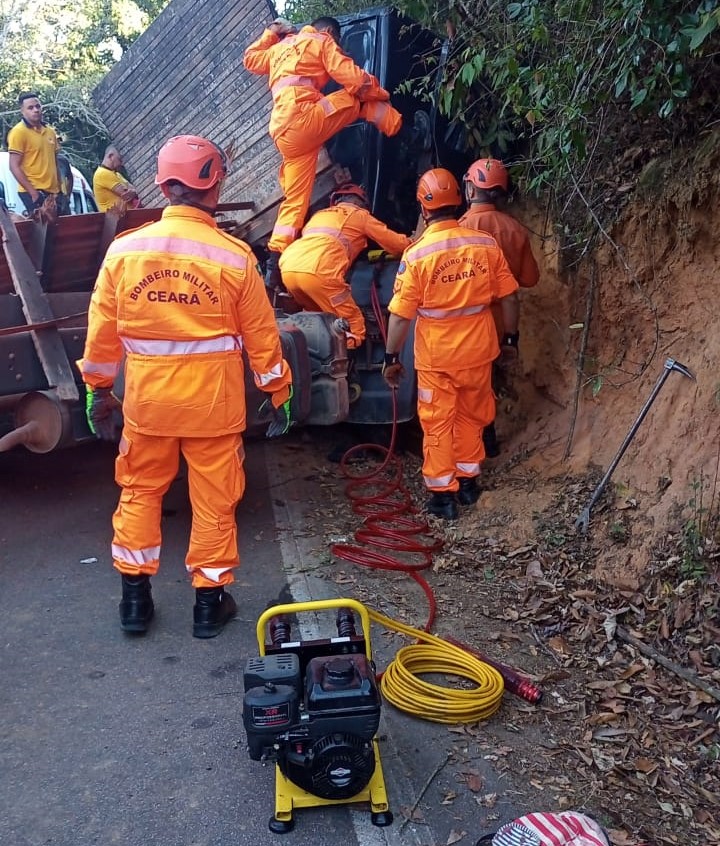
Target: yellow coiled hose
401,686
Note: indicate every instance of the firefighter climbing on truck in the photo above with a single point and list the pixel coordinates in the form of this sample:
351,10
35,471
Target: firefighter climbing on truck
299,65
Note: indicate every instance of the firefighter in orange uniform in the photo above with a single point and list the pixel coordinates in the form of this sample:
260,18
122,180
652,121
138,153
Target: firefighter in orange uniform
299,65
314,267
448,279
486,185
181,299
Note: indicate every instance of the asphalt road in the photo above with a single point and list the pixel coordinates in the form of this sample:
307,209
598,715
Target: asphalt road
111,739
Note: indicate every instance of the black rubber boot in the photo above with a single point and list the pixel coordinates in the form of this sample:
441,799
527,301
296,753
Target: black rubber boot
490,441
469,492
213,608
273,277
443,505
136,605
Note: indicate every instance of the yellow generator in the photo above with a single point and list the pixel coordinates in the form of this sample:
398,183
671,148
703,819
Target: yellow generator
313,708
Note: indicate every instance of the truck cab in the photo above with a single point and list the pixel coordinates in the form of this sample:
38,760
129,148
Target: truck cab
394,49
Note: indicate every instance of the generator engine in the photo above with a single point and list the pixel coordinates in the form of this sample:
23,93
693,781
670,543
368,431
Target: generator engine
313,709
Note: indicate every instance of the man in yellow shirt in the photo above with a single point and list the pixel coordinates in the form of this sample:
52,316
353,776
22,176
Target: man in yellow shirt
33,147
111,189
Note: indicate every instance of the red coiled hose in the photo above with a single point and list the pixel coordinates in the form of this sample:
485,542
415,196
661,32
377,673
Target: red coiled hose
391,525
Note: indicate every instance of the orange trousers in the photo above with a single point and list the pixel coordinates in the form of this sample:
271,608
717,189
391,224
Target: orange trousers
144,469
333,295
453,409
299,145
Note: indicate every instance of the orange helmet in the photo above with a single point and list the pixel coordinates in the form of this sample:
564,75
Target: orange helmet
351,189
487,174
194,161
438,188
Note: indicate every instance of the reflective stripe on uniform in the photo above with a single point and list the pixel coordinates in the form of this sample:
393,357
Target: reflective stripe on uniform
136,557
381,108
147,346
332,232
424,394
339,299
466,467
438,481
109,369
212,573
265,378
450,244
290,231
295,81
443,313
179,248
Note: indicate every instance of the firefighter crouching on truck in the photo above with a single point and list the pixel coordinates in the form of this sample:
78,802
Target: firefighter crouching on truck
314,267
448,279
181,299
299,65
485,185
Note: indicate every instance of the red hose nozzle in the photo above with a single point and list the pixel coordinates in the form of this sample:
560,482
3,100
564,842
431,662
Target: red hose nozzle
514,682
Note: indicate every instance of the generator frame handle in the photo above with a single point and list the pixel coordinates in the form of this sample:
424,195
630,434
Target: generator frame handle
314,605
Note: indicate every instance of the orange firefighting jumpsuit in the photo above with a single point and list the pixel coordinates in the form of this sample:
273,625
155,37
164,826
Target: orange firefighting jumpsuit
302,119
448,279
181,300
513,240
314,267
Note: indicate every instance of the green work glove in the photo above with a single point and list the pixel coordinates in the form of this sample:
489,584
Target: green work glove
281,418
100,407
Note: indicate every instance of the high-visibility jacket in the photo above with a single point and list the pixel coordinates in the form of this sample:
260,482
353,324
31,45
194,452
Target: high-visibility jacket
334,237
299,66
181,299
447,279
512,237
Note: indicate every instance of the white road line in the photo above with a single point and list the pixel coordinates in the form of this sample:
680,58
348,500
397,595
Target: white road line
304,587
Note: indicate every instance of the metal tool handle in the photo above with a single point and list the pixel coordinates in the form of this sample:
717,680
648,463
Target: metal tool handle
583,521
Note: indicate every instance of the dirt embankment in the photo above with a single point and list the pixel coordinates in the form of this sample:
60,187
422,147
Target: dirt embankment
650,290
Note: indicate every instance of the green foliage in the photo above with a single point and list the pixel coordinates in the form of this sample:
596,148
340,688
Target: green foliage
304,11
700,530
559,86
60,49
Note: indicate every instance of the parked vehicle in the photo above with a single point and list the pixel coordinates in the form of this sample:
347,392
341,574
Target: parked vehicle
43,317
82,201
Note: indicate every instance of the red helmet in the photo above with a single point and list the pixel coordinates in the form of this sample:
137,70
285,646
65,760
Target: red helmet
487,174
438,188
194,161
351,189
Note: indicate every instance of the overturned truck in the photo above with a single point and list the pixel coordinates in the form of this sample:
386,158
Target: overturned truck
47,272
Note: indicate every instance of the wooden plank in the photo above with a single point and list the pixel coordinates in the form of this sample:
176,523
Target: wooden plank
36,308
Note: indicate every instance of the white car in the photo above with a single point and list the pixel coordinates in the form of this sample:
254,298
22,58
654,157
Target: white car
83,199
